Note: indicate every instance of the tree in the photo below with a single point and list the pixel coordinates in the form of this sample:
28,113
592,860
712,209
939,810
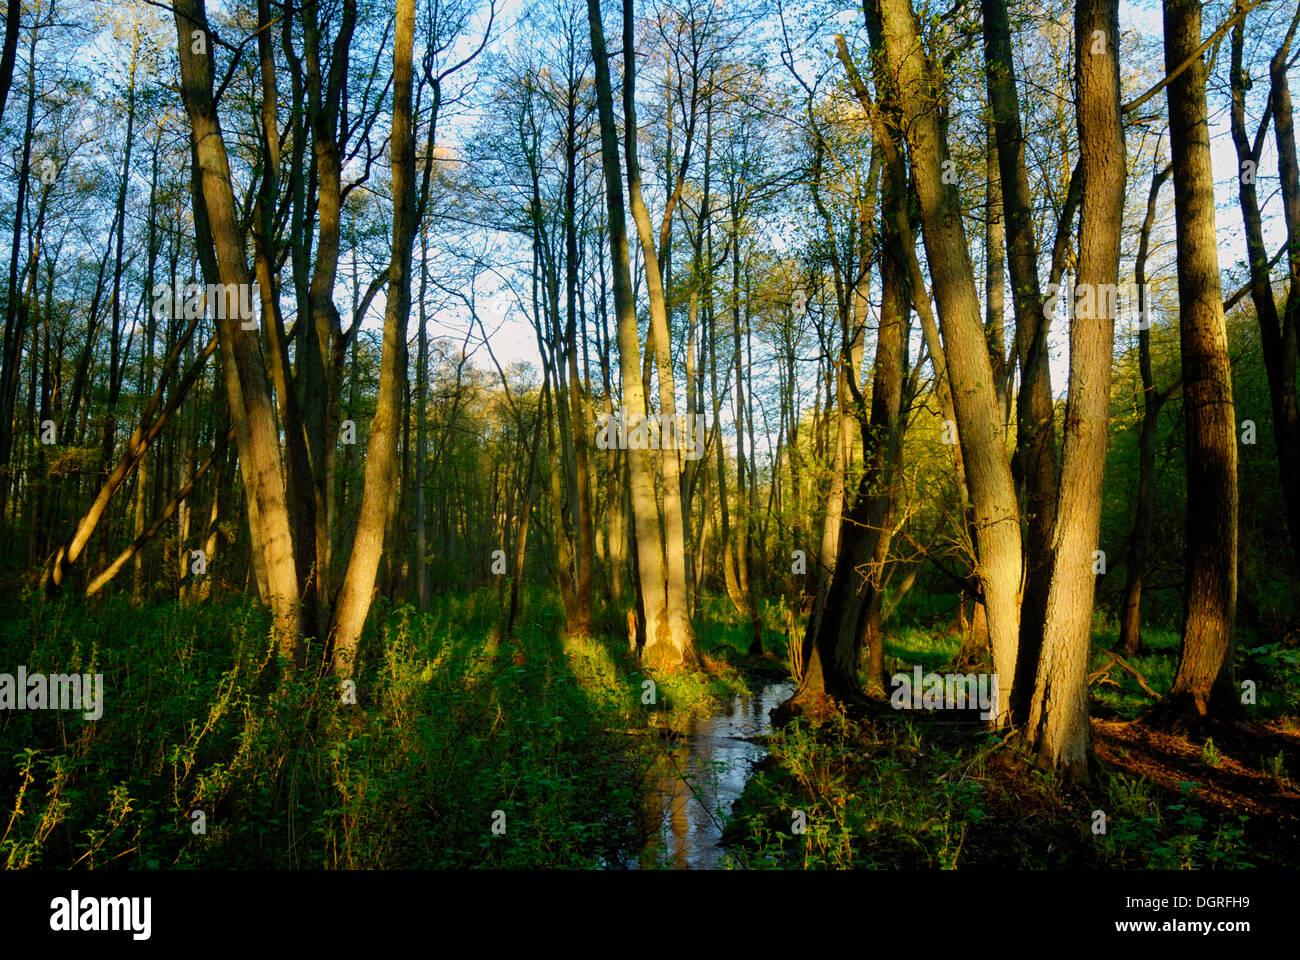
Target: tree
381,452
660,650
247,389
1058,715
997,518
1209,415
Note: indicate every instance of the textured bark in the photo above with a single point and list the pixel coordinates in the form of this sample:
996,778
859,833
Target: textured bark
247,389
676,648
1211,440
381,452
997,519
1058,714
648,545
303,507
1034,463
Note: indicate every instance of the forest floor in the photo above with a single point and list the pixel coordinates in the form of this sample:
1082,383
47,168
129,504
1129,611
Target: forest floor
464,751
917,790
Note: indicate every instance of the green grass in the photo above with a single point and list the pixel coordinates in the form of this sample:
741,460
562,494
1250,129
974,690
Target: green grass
450,730
902,792
455,732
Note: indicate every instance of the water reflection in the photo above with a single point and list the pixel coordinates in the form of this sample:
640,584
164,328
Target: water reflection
706,773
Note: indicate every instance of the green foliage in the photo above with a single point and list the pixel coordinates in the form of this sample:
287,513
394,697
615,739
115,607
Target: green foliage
451,727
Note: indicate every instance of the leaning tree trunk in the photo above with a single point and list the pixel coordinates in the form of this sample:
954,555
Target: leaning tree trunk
979,422
247,389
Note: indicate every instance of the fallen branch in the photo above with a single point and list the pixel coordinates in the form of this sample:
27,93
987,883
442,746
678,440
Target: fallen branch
1115,658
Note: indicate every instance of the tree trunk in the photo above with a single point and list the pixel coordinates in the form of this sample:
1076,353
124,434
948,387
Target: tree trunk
1034,464
1280,348
655,623
676,648
247,389
1058,714
1130,622
381,451
1211,451
997,519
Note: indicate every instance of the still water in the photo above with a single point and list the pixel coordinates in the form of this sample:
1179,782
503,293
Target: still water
706,772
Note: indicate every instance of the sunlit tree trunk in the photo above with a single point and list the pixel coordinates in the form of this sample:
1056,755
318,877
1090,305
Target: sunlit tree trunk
381,452
657,627
1034,464
997,519
677,647
1208,411
1058,713
247,389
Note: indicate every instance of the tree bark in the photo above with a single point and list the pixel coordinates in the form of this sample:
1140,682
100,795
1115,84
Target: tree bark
1058,715
997,518
676,648
1209,415
1034,463
381,451
247,389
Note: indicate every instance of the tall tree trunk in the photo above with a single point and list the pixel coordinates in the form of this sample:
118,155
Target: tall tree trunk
1279,343
675,649
655,622
851,613
1058,714
1130,620
581,484
247,389
1034,464
997,518
381,452
1209,414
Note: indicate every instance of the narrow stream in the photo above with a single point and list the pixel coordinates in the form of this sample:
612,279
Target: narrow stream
707,771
